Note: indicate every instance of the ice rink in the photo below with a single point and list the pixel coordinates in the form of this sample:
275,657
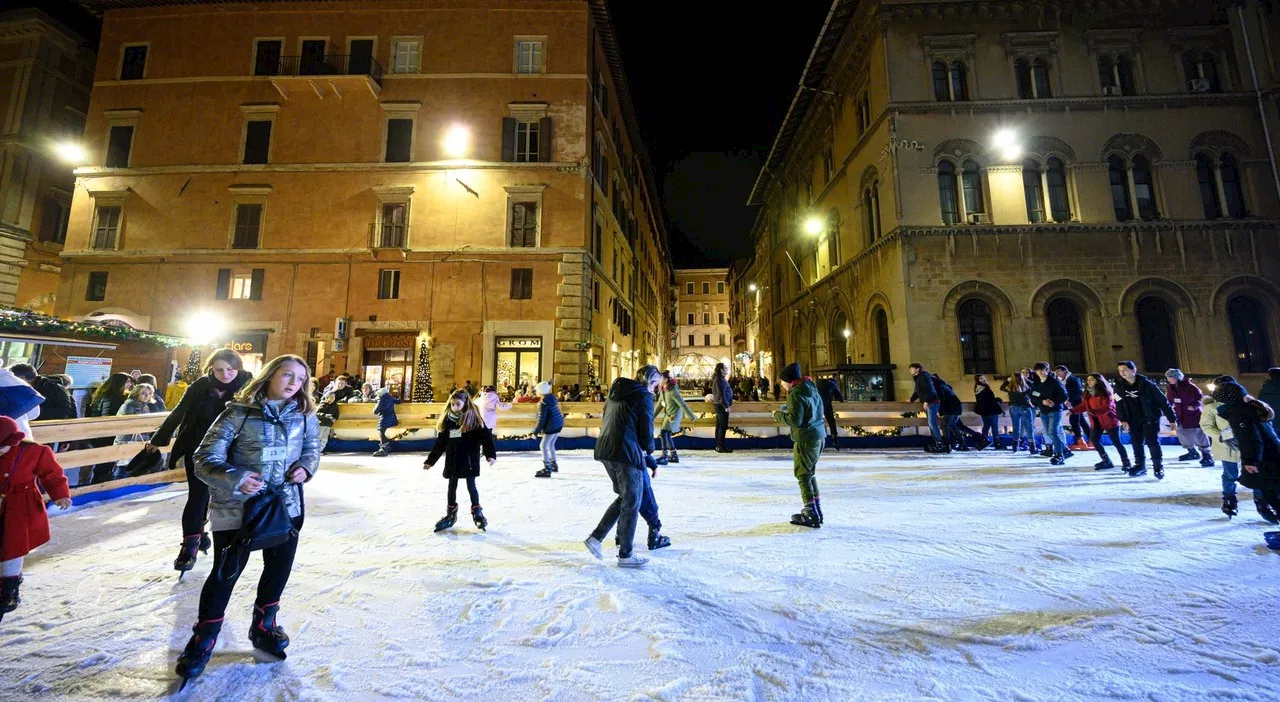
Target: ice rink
987,577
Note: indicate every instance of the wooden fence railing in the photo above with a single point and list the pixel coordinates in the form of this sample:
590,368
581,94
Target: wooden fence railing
61,431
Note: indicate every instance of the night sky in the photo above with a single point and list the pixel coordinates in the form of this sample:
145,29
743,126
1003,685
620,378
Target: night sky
711,82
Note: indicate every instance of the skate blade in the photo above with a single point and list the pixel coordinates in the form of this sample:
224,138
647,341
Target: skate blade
183,685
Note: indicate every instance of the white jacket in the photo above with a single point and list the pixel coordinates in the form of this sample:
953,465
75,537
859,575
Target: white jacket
489,403
1218,430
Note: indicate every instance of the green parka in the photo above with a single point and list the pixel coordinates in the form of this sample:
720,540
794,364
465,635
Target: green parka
804,414
670,408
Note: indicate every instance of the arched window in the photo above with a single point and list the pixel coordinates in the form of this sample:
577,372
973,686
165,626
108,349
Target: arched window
941,82
977,340
1059,201
1120,189
1066,333
1040,76
882,336
948,193
1033,190
971,180
871,211
959,81
1231,189
1156,332
839,344
1251,333
1144,191
1208,181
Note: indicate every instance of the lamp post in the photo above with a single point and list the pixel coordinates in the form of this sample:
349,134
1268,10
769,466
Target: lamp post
457,142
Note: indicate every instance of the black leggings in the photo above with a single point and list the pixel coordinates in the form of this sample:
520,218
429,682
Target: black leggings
193,515
1145,433
1095,437
277,564
1081,427
471,490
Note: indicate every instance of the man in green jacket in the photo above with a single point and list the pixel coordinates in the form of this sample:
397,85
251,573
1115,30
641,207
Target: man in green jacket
803,414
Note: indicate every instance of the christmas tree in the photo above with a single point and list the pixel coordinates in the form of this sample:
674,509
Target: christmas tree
192,370
422,391
592,379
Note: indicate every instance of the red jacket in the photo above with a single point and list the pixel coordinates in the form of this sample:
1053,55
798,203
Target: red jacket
1101,409
26,525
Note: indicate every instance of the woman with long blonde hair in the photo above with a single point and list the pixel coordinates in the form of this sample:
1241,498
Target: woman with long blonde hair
461,435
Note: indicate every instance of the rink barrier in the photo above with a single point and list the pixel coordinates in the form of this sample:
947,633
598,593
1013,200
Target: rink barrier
58,432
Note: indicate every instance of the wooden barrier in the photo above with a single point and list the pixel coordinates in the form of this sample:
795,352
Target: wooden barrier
64,430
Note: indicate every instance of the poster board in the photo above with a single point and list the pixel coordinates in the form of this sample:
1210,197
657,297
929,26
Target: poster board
86,369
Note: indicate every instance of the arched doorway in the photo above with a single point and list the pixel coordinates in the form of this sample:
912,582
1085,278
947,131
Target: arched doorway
839,344
882,337
1157,335
1066,333
1251,333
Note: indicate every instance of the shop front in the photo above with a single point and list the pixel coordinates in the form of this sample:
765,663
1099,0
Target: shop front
388,362
252,347
518,362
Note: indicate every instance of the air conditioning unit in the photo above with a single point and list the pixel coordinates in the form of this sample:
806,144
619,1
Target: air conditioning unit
1198,85
1111,90
979,218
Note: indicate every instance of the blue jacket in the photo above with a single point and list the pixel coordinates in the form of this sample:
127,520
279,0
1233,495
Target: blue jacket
550,418
1075,389
386,411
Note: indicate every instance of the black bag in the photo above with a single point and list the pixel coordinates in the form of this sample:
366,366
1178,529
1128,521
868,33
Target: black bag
143,463
266,524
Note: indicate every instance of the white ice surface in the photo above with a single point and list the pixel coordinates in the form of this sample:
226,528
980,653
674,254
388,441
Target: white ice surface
982,577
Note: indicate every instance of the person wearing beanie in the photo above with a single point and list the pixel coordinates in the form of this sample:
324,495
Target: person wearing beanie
1259,448
24,525
1218,429
1139,406
385,410
550,424
1184,397
803,414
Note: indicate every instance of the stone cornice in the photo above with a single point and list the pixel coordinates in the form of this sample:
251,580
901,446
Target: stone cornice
1084,102
417,166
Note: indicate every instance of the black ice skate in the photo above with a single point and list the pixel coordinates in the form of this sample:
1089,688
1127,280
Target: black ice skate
1137,471
1159,471
657,540
675,457
1229,506
1189,456
1266,511
448,520
1104,464
381,452
9,599
807,518
555,467
266,635
478,515
186,559
662,460
545,472
199,650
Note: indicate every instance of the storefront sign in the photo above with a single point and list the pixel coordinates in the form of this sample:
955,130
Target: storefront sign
85,370
520,343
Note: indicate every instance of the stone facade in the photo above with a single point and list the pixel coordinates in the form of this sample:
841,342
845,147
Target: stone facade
703,332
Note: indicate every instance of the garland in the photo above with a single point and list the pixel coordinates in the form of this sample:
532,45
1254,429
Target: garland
738,432
860,431
17,319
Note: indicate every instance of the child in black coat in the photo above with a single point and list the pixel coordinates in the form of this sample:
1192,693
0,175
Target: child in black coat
461,436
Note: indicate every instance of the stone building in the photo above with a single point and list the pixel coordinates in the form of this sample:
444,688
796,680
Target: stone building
702,314
977,186
46,72
357,181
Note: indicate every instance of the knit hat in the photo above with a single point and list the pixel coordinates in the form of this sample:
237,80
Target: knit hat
1176,374
1228,393
791,373
544,388
10,435
1225,379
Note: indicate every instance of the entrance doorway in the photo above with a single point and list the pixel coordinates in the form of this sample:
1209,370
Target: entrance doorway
518,362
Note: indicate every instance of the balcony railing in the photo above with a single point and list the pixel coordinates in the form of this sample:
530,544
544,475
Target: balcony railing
326,65
386,235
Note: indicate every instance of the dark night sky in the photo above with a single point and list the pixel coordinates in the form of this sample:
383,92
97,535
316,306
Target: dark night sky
711,82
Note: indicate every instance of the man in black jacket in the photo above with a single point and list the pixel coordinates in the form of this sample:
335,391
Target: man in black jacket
1050,397
625,447
57,402
1139,405
830,393
927,396
1075,395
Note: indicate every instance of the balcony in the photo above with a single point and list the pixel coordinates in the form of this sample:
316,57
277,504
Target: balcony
388,235
323,74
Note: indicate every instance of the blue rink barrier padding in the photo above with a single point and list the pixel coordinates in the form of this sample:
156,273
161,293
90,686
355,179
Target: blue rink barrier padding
89,498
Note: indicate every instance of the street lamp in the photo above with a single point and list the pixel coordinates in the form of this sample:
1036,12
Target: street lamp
457,142
71,153
204,326
1006,140
751,287
847,333
813,225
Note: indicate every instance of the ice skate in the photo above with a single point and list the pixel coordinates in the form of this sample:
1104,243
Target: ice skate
1189,456
1104,464
595,547
662,460
1273,540
477,515
266,635
1230,506
632,562
9,599
675,457
555,467
186,559
381,452
1158,470
448,520
1266,511
656,540
1206,460
199,650
807,518
545,472
1137,471
1057,461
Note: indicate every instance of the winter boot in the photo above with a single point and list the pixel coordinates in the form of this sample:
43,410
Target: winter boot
199,650
1137,471
1206,459
675,457
1104,464
808,517
545,472
448,520
186,559
265,634
9,599
1189,456
1266,511
1229,506
1158,469
477,515
657,540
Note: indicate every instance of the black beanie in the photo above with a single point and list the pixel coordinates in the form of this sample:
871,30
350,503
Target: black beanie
1228,393
791,373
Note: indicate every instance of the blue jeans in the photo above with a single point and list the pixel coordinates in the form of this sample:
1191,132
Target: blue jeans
1053,432
931,410
1231,471
991,427
1023,425
668,443
630,483
548,447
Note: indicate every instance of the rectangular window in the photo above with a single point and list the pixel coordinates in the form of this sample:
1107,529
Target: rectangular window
595,295
248,225
706,288
690,318
53,221
530,55
691,340
406,55
393,231
389,284
722,340
721,317
527,142
521,283
719,288
524,225
602,94
241,286
266,57
706,317
133,65
97,289
597,244
257,141
106,229
688,288
706,339
828,164
399,141
119,146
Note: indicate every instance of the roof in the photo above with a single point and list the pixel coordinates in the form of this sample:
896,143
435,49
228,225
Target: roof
829,37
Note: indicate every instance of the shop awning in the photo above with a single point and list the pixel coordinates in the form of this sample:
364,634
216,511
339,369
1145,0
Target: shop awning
54,341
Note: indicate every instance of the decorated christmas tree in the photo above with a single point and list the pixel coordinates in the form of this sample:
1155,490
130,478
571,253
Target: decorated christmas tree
422,391
192,369
592,379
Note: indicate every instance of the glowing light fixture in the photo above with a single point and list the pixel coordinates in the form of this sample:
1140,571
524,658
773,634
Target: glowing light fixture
751,287
204,326
813,225
847,333
71,153
457,141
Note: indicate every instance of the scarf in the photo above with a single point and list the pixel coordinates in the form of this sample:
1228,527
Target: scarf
219,390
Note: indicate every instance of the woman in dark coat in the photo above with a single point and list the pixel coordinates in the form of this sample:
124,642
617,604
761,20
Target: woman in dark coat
199,407
105,402
1253,432
461,436
989,408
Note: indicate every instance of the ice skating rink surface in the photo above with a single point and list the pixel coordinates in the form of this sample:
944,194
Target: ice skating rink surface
986,576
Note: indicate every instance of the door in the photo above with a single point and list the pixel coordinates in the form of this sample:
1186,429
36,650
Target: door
312,61
360,62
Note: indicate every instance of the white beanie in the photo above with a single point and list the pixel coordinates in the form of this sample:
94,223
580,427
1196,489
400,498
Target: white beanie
1175,373
544,388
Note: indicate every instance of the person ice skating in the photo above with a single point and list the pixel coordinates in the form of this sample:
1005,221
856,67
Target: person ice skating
1139,406
670,408
1050,397
471,389
803,414
24,525
1184,396
625,447
1270,394
263,446
204,400
550,424
1218,429
386,413
1021,413
722,399
461,437
1075,395
927,396
830,393
488,402
954,432
1252,430
1100,403
988,407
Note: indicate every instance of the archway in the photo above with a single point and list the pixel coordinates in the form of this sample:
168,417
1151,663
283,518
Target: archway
839,342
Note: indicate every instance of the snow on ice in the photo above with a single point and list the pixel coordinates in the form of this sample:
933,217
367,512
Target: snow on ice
986,576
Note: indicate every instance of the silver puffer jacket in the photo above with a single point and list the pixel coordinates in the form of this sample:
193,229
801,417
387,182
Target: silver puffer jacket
233,448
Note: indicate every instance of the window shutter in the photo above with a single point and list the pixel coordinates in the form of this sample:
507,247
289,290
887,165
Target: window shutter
255,291
515,283
224,284
544,139
509,139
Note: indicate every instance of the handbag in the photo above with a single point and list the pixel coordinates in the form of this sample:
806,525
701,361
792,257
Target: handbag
266,524
143,463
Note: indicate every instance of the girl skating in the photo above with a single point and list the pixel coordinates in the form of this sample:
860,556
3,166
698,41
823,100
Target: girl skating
24,525
386,412
1100,403
550,424
461,436
671,407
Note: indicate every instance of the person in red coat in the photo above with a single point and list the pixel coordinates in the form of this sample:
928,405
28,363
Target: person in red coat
1100,404
23,522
